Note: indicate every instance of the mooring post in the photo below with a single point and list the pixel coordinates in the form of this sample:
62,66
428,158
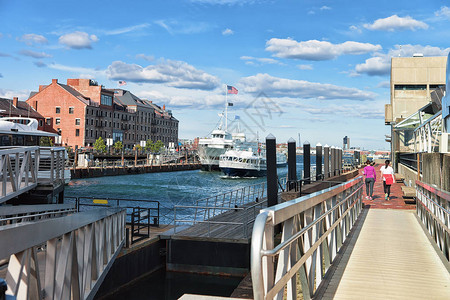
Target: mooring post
333,161
292,164
326,161
272,181
307,162
340,160
319,162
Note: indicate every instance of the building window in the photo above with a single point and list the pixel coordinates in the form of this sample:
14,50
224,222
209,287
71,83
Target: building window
57,109
77,132
71,109
41,123
106,100
57,121
410,87
77,121
48,121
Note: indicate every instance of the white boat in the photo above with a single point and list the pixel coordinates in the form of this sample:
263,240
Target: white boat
243,163
20,131
281,160
210,149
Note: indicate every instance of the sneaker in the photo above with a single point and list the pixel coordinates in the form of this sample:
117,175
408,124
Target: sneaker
386,196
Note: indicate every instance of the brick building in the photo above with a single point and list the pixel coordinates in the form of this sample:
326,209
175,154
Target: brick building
82,111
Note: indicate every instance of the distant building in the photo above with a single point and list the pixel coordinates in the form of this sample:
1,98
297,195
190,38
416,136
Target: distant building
413,80
81,111
15,108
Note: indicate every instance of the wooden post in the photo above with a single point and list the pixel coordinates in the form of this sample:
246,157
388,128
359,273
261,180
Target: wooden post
292,165
319,161
271,160
326,161
307,162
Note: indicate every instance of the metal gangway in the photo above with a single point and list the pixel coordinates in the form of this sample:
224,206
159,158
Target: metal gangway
54,252
326,245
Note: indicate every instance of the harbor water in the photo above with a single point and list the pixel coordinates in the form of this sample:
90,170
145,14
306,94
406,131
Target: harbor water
169,188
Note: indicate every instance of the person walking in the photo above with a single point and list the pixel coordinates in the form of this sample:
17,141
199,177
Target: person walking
388,178
371,177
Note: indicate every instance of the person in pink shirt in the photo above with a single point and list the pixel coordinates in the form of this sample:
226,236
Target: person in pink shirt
371,177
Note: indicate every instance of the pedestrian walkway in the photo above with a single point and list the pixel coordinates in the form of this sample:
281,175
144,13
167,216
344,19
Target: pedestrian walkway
396,200
389,257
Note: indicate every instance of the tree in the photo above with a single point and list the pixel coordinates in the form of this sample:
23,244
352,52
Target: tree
157,146
148,145
99,145
118,146
46,141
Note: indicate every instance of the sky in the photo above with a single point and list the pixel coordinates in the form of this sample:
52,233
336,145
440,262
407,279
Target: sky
318,69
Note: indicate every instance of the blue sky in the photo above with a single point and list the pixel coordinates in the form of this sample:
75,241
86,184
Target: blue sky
318,68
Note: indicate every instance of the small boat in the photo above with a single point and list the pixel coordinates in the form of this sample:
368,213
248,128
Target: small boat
281,160
243,163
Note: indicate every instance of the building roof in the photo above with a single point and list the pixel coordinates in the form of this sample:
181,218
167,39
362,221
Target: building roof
22,109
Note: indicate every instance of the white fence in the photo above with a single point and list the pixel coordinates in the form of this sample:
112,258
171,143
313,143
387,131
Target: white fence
314,228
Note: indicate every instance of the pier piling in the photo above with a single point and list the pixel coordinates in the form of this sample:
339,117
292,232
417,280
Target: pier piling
271,160
333,161
292,164
326,161
307,162
319,161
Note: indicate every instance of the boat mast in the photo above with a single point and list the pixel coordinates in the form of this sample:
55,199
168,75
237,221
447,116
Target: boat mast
226,108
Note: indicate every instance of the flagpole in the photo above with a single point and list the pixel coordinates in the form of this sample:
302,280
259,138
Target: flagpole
226,107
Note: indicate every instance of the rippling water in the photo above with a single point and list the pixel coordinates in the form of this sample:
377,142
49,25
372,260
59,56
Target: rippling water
170,188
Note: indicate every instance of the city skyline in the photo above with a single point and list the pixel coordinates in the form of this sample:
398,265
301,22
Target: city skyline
318,68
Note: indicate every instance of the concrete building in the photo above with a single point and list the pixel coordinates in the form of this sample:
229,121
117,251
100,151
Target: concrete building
413,79
81,111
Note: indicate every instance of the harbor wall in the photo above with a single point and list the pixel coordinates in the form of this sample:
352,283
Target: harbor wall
78,173
133,264
409,174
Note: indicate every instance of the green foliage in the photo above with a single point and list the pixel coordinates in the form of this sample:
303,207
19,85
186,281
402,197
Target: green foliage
149,145
138,148
46,141
118,146
99,145
156,147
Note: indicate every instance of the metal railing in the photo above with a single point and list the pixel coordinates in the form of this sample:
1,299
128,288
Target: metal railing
132,207
26,213
410,160
76,251
314,228
433,209
18,170
51,164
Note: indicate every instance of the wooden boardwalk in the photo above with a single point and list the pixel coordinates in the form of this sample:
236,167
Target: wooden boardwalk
389,257
232,225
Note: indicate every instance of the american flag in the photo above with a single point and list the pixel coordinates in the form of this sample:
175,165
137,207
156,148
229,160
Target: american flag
231,89
121,82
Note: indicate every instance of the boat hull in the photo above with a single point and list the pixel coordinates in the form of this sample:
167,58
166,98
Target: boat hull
237,172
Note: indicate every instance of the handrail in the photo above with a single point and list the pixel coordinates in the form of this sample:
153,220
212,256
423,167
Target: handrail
315,226
433,209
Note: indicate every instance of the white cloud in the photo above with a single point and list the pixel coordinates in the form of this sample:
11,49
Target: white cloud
384,84
325,8
354,28
228,31
305,67
87,72
32,38
9,94
177,27
78,40
380,64
127,29
34,54
172,97
176,74
395,22
444,12
317,50
250,60
145,57
282,87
